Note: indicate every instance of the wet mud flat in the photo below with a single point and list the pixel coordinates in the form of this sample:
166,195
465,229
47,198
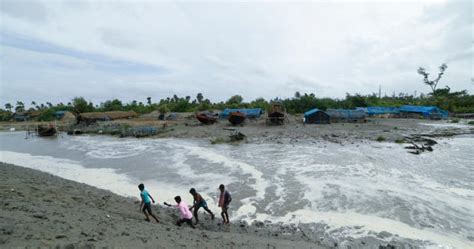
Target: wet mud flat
41,210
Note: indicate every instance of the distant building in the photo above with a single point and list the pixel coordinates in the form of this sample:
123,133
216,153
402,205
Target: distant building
427,112
249,112
316,116
89,117
381,111
59,114
346,116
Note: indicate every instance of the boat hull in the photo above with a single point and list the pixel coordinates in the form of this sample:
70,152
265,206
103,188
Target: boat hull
206,119
236,118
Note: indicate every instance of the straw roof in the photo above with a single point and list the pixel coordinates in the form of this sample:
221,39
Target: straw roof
108,115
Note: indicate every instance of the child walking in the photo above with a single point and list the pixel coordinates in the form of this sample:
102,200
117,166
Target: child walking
198,203
145,205
224,201
186,215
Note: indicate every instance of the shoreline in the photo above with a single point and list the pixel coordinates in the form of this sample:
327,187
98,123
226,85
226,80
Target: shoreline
256,131
40,209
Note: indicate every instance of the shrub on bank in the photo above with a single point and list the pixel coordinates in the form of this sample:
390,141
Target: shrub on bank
380,139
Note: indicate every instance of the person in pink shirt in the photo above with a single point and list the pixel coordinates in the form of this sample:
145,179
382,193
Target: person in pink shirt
186,215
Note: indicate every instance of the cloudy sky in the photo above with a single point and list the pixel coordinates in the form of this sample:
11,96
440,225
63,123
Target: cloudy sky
55,50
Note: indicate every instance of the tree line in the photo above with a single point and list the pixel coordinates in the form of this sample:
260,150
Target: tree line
457,102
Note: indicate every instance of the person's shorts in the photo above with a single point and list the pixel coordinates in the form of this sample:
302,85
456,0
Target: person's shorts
147,206
203,204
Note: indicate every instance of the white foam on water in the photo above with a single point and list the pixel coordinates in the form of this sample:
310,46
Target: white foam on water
248,204
107,147
103,178
370,223
362,185
447,125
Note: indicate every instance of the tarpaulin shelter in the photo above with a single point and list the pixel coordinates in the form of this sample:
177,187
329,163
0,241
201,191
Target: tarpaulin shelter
249,112
346,115
316,116
428,112
379,110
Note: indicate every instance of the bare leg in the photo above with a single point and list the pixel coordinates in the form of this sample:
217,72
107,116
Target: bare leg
190,222
224,213
223,217
146,215
210,212
152,215
196,214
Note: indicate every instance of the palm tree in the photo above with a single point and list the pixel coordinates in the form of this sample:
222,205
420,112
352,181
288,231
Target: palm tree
8,106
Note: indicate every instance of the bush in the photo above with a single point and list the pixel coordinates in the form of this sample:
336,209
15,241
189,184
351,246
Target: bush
399,140
380,139
455,121
470,123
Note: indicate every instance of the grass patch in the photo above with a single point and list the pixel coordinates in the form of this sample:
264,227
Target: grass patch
218,140
380,139
399,140
470,123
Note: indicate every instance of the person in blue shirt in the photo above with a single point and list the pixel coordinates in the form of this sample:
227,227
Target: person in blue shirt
145,205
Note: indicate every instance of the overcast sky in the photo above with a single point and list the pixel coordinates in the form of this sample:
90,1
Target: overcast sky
53,50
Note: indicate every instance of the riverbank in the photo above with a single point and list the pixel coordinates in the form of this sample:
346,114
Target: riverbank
257,131
42,210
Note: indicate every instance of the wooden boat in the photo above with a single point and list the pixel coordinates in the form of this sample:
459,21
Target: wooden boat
236,118
206,118
276,115
46,131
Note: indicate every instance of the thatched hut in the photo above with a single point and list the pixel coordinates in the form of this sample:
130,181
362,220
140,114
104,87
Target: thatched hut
105,116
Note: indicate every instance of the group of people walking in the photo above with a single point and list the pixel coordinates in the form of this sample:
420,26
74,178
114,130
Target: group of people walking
186,214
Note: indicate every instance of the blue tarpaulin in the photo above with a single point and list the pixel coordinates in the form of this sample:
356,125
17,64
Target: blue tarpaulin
59,114
316,116
311,112
250,113
379,110
345,114
426,111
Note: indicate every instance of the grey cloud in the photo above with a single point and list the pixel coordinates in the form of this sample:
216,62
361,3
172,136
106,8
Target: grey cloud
116,38
32,11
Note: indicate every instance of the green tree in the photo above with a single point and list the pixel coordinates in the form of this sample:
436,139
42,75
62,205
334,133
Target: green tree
112,105
80,105
8,106
148,100
432,83
20,106
235,100
199,97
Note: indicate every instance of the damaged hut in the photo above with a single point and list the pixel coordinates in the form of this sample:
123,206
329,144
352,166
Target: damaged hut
316,116
90,117
249,112
427,112
346,116
381,111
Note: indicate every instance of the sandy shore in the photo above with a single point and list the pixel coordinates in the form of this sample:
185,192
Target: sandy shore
294,131
42,210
